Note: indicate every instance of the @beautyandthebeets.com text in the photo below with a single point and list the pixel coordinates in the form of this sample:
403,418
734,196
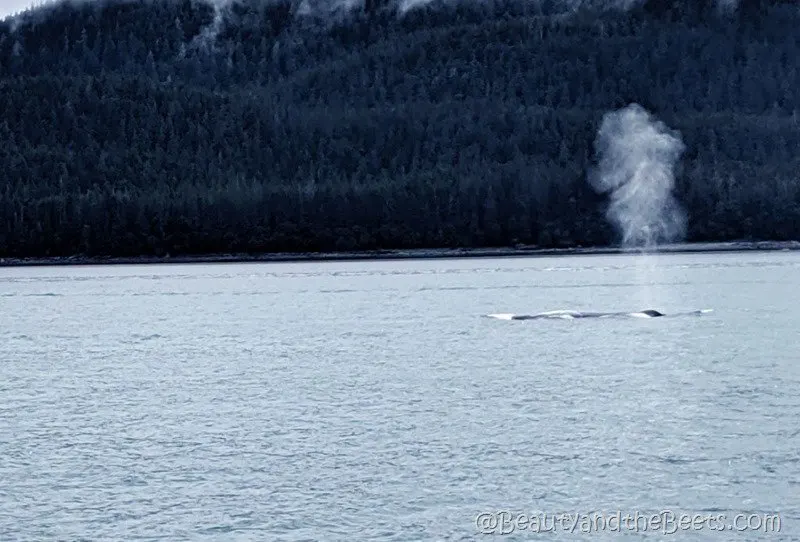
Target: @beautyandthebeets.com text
664,522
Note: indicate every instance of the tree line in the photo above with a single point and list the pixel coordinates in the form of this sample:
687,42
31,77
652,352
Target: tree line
138,127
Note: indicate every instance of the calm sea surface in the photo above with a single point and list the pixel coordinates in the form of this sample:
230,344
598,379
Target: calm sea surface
375,401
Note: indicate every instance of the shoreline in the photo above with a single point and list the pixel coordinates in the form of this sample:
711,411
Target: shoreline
399,254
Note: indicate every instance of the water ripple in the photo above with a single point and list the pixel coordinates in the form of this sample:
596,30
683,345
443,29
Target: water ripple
366,401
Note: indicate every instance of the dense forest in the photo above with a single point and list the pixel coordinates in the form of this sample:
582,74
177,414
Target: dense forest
152,127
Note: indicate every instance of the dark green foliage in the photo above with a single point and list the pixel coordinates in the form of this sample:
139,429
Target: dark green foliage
129,127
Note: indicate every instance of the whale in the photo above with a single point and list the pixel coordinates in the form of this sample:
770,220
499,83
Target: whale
572,315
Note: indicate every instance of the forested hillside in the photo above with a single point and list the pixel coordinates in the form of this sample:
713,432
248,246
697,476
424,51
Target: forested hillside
140,127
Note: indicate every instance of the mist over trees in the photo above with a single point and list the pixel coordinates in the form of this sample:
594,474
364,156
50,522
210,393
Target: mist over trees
140,127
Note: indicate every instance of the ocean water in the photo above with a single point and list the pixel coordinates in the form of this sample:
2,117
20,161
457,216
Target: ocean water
374,400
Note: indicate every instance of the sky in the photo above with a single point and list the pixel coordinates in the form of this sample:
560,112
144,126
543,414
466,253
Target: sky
9,7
